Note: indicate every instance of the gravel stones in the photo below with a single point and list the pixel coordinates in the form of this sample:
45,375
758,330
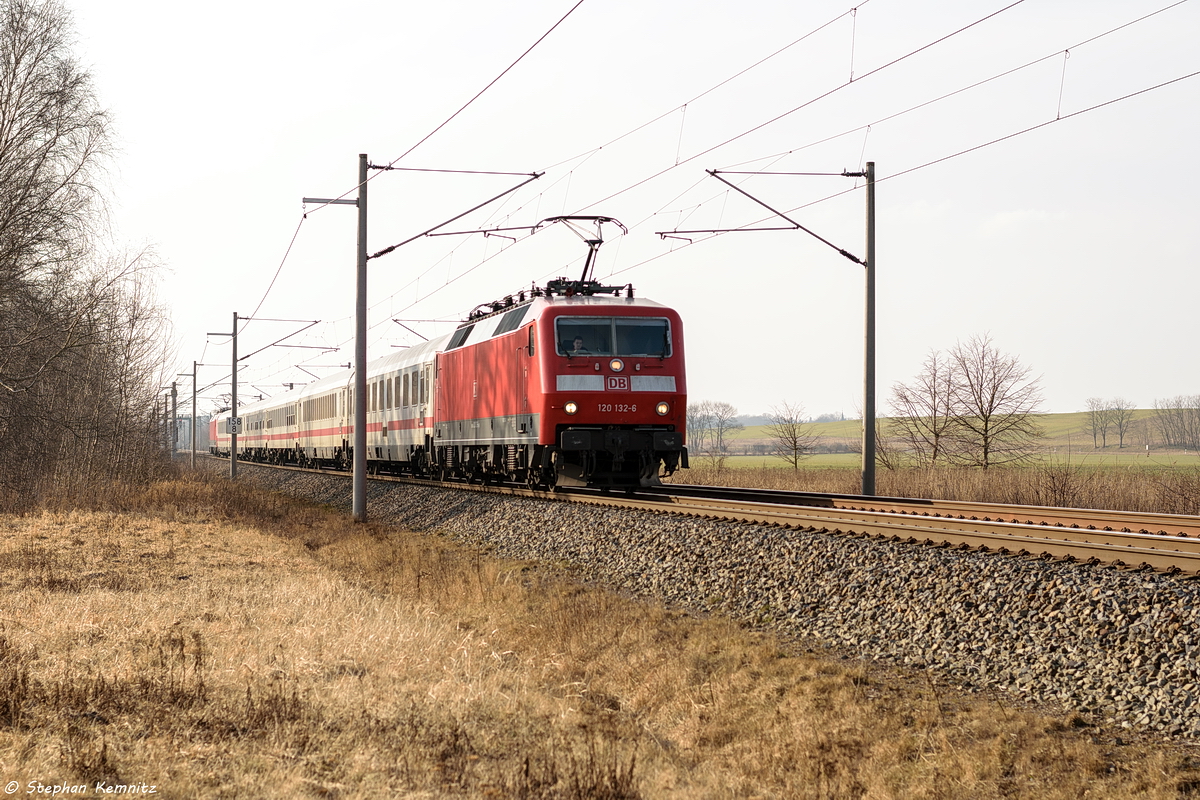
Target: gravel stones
1122,645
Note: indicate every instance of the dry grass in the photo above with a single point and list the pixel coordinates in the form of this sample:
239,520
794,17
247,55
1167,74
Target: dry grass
216,646
1050,484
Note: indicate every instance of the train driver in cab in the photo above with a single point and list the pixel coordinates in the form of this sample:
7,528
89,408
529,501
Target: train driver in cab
577,348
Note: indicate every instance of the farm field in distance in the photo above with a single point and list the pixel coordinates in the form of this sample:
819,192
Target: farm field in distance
1065,471
1066,439
215,642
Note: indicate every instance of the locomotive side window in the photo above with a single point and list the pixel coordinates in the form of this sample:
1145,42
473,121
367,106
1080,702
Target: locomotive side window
613,336
459,337
511,320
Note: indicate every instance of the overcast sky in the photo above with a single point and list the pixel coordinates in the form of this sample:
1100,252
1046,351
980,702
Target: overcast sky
1073,245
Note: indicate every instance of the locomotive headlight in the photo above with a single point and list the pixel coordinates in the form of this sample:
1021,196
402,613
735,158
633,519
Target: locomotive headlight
662,409
571,408
616,365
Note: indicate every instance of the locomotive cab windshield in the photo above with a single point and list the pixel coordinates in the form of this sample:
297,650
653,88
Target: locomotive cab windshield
613,336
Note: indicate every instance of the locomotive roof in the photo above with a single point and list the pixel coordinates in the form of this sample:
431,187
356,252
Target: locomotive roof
539,303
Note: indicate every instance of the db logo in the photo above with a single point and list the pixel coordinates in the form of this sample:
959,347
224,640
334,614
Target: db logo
618,383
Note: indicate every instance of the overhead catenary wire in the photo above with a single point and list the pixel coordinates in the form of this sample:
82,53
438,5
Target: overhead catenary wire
880,179
947,95
462,108
809,102
934,162
804,105
709,90
976,84
593,151
1058,118
275,277
451,280
493,82
426,138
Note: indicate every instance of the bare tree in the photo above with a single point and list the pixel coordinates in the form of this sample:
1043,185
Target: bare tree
81,340
1120,413
791,438
699,426
973,407
996,401
1098,419
710,425
890,452
52,139
888,447
725,424
924,414
1178,421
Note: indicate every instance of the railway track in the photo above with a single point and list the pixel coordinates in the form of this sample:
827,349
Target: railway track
1170,543
1123,539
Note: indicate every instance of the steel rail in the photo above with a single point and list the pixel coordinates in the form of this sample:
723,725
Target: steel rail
1037,531
1169,553
1100,519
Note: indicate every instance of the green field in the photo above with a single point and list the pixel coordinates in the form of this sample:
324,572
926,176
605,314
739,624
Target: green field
1067,439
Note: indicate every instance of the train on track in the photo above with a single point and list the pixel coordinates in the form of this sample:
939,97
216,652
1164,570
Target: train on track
575,383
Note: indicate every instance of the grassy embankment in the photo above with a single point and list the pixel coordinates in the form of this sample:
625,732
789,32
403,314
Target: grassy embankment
219,644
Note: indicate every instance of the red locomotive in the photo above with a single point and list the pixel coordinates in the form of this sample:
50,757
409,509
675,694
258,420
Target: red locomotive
573,384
